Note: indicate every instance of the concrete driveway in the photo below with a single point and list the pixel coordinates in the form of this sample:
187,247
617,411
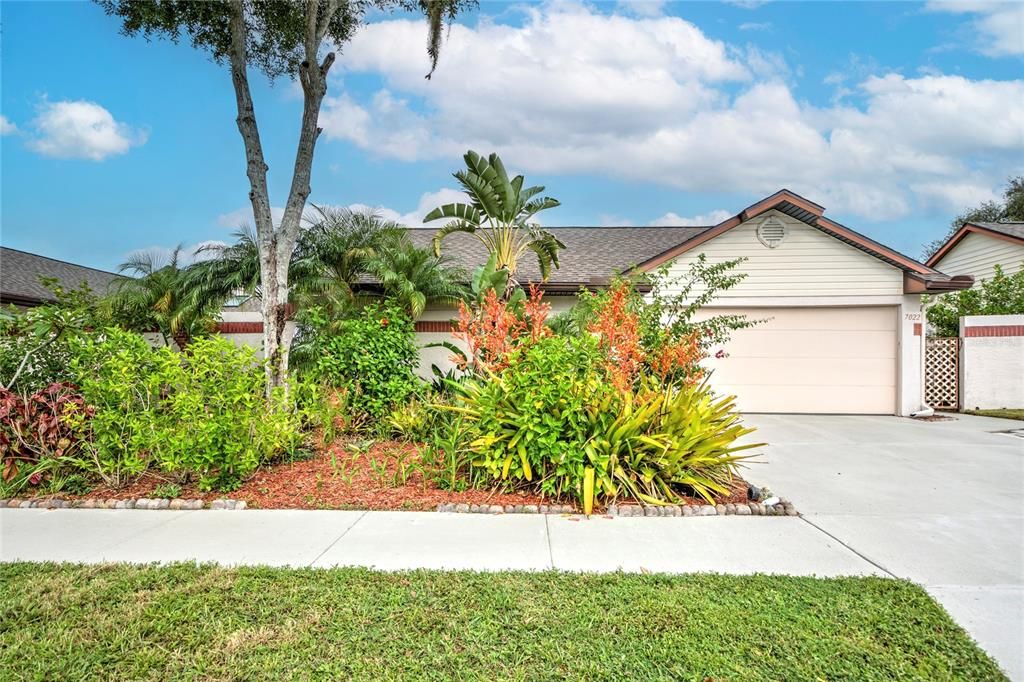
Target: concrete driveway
939,503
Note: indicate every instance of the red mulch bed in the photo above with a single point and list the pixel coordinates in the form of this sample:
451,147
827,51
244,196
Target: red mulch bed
349,481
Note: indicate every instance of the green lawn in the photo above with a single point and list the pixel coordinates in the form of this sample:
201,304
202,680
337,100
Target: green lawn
1005,413
183,621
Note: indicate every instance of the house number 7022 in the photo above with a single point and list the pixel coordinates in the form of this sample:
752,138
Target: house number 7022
913,317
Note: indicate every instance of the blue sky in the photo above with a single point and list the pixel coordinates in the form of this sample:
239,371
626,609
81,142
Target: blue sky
892,115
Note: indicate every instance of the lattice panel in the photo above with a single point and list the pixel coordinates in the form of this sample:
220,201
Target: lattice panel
941,372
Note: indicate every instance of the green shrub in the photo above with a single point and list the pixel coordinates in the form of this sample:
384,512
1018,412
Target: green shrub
553,421
660,441
1001,294
202,414
114,374
36,344
529,422
409,422
373,357
213,420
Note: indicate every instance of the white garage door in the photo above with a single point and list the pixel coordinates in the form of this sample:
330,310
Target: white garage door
811,360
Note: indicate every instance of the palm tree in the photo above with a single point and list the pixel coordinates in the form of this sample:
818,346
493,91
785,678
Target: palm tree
228,270
337,248
414,277
158,296
499,215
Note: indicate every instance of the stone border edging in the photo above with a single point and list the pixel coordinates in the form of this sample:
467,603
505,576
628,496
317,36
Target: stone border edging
463,508
782,508
141,503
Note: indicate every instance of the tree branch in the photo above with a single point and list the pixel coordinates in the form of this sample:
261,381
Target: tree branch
313,77
256,167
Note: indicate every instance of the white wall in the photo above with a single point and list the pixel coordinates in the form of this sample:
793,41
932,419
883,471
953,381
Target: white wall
978,254
992,364
911,338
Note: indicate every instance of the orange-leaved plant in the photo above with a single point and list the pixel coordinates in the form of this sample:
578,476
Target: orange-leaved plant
493,330
618,329
679,358
536,313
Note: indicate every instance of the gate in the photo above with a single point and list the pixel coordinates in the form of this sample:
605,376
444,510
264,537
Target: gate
942,372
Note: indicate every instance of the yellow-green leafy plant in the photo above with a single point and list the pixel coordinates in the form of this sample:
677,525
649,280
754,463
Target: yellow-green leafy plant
553,421
201,414
664,441
410,422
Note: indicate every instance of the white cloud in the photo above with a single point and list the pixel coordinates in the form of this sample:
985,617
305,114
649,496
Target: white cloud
81,130
671,219
6,126
755,26
414,218
655,100
613,220
998,26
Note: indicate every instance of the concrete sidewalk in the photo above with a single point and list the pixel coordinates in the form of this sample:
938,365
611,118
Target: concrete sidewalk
406,540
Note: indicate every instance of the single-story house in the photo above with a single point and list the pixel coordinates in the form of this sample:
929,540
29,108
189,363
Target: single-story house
840,314
20,274
841,330
976,248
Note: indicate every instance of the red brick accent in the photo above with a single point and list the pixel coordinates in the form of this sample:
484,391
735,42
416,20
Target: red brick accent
435,326
257,327
240,327
993,330
917,329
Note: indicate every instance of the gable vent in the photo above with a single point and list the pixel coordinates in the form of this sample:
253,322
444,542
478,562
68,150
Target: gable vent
771,232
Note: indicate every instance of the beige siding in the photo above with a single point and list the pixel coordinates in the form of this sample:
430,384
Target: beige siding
808,262
978,254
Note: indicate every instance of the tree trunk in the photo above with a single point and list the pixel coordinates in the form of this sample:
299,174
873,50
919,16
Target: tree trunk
277,243
182,339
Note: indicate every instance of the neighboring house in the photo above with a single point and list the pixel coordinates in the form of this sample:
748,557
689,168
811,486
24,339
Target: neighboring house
976,248
20,285
20,274
842,313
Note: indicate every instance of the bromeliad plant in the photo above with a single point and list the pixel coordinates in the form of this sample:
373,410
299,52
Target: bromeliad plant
553,420
597,415
500,214
663,439
496,327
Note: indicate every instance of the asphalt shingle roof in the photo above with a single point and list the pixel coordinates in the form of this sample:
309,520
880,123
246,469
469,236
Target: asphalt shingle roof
1012,229
20,272
590,253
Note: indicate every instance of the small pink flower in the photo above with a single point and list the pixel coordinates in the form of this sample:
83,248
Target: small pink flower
720,354
35,478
